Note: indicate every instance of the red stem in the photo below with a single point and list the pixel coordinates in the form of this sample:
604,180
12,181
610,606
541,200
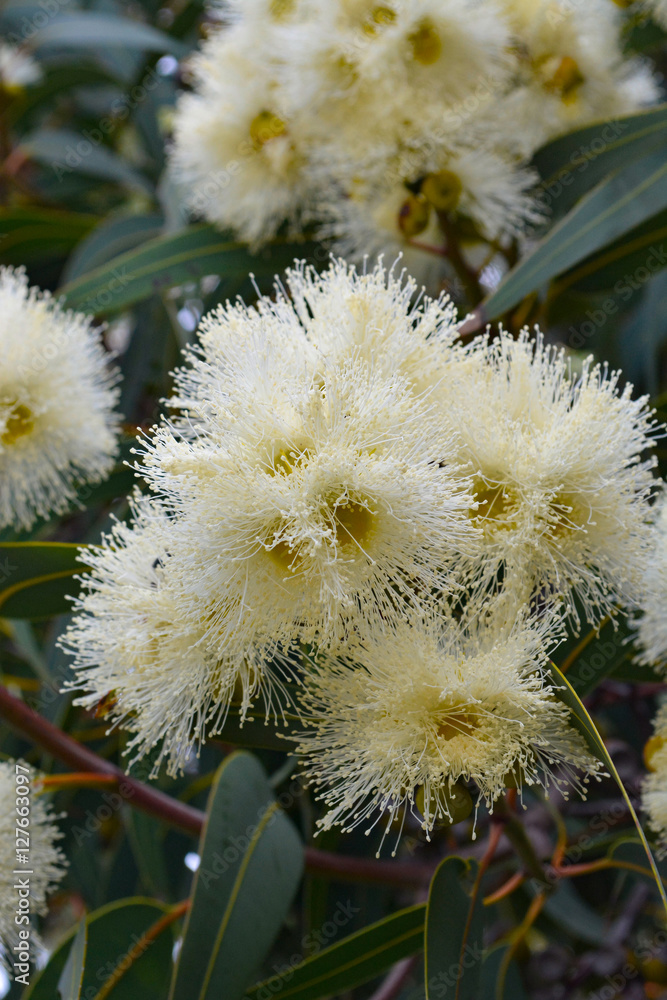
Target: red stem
152,801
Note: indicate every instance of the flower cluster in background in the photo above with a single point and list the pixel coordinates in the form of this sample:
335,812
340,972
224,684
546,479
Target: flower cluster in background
58,425
350,509
406,125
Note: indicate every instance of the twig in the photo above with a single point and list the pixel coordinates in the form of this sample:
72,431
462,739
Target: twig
151,800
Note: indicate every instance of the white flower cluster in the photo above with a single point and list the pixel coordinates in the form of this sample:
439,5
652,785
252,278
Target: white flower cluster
47,863
58,427
401,125
346,497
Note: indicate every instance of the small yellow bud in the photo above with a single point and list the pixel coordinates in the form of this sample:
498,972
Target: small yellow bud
443,190
413,215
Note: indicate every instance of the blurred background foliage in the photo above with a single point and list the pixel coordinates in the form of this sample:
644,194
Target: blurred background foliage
88,206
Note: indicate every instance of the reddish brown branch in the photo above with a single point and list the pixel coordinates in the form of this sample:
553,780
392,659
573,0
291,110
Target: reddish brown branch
151,800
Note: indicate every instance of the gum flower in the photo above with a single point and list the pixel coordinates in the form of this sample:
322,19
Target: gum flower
58,427
299,497
46,860
408,717
158,665
561,480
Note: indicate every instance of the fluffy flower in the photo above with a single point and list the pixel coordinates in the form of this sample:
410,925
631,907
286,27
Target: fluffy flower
46,861
237,144
376,317
653,623
319,499
57,397
301,495
162,669
560,481
654,790
17,69
413,711
570,70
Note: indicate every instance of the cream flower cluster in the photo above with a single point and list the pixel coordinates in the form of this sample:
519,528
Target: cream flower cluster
349,509
47,863
401,125
58,427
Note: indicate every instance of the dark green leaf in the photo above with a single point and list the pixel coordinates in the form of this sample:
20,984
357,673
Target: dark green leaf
574,163
29,233
35,578
110,238
251,865
71,979
113,932
500,979
624,266
454,933
350,962
616,206
173,260
86,30
66,152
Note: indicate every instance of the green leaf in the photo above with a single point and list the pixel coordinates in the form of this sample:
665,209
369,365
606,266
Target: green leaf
66,152
350,962
500,979
28,233
35,578
624,265
583,722
71,979
172,260
616,206
572,164
110,238
91,29
454,933
113,931
251,865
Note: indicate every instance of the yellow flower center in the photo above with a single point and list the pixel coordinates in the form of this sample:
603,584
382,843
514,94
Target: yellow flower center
497,502
426,43
264,127
562,77
413,215
455,722
443,190
19,424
